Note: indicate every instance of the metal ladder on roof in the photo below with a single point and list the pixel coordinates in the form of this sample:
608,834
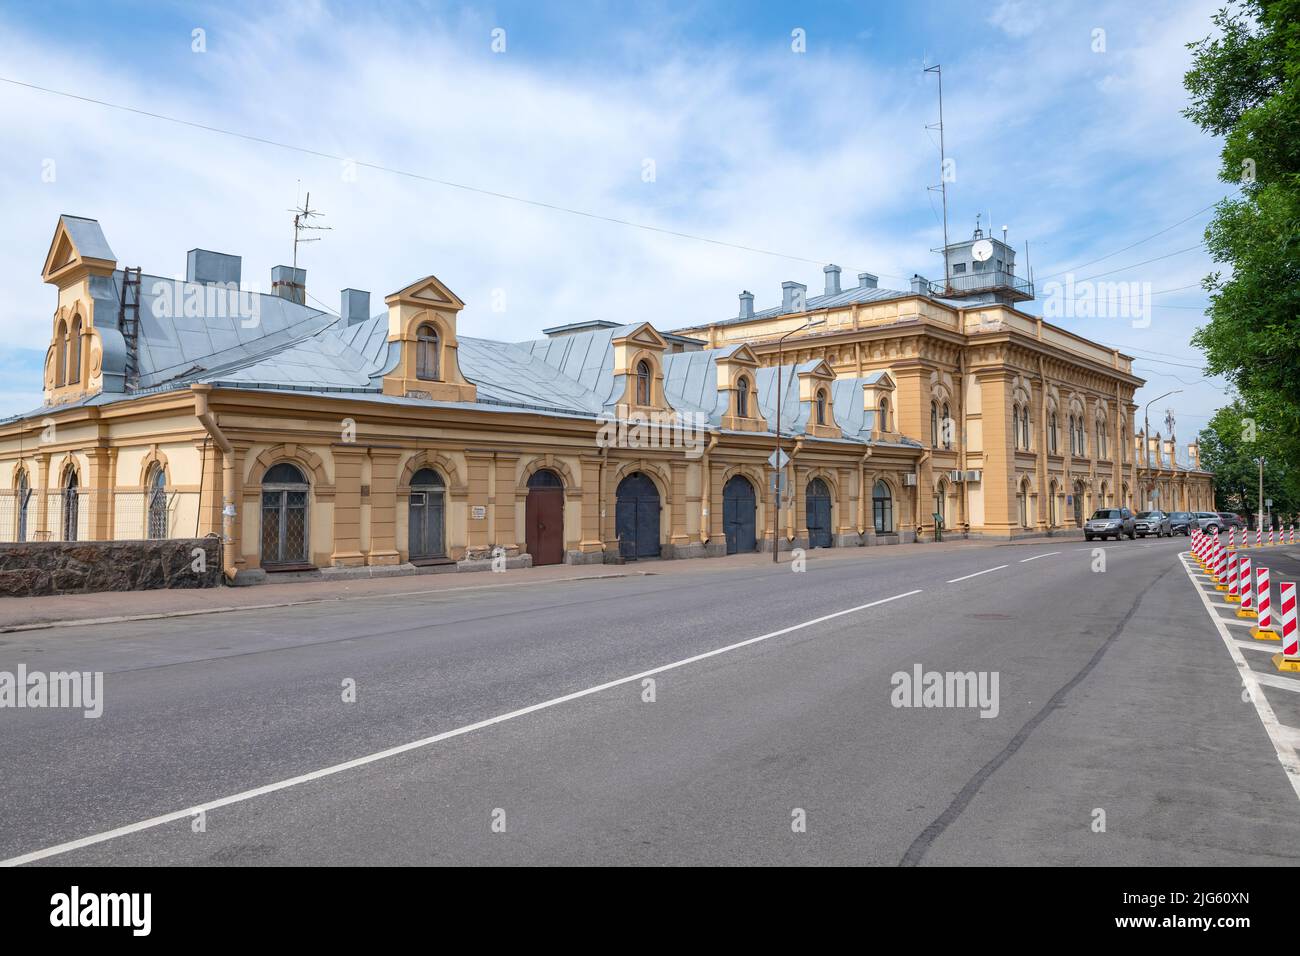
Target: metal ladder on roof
128,321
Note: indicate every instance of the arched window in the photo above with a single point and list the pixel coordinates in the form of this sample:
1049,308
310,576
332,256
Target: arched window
882,508
71,505
884,414
1051,434
156,501
742,397
946,424
284,516
934,425
23,494
74,352
1123,442
1101,438
427,359
643,382
1016,430
61,354
821,406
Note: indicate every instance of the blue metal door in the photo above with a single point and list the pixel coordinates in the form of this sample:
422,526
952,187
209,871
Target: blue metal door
636,517
738,515
818,498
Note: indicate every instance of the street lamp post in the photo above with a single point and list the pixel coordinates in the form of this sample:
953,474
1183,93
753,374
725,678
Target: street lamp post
776,504
1146,438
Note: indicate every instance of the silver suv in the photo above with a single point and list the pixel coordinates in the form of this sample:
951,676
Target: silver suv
1152,522
1110,523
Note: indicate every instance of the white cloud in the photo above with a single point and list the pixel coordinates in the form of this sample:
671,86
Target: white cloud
818,157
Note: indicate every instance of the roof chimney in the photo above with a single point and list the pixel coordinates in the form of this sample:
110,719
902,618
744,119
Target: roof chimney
746,305
920,286
209,268
355,306
289,283
867,281
832,279
794,297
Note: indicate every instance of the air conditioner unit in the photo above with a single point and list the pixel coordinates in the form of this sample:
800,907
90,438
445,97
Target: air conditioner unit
954,476
975,475
909,480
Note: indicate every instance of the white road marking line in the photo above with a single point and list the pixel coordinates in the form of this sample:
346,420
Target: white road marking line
242,796
1277,680
1286,755
1037,556
978,573
1291,734
1253,645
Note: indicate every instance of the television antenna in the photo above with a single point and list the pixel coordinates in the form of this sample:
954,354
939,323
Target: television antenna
302,216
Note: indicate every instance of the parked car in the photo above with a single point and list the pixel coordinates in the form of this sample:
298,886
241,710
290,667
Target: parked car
1152,522
1108,523
1182,522
1229,520
1209,521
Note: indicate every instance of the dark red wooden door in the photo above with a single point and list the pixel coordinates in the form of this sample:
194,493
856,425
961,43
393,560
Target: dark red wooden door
544,525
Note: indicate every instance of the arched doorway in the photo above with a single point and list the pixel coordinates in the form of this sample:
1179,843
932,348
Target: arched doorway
817,497
882,508
636,517
426,517
1078,504
544,517
284,517
739,515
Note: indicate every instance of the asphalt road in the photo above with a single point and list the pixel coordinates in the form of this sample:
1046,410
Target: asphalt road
1118,703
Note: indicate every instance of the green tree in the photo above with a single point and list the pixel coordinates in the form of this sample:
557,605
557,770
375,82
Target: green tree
1244,85
1231,446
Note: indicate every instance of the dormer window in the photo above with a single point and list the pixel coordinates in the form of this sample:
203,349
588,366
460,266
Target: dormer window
427,365
884,414
643,382
742,397
821,406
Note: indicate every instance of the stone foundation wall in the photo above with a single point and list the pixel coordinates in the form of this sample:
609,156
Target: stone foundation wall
77,567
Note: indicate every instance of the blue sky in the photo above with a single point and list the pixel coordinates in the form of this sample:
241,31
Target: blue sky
818,156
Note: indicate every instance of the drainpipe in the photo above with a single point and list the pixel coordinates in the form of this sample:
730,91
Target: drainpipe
706,492
862,492
209,421
600,499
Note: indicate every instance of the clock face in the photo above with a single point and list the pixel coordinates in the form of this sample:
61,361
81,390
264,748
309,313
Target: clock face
982,251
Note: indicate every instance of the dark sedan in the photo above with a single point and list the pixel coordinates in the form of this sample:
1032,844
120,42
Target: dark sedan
1182,522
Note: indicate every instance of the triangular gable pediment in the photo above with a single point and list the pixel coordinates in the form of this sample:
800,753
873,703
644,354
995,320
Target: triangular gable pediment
644,335
64,253
427,291
821,370
886,381
740,355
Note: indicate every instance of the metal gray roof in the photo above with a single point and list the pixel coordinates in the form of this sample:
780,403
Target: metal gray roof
88,237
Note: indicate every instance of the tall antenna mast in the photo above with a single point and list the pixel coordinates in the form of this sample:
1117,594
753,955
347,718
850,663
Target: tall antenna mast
302,216
937,70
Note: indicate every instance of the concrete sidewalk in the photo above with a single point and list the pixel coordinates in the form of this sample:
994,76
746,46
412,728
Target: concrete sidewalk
34,613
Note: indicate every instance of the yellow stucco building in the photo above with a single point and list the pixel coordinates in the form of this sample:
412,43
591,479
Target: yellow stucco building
314,440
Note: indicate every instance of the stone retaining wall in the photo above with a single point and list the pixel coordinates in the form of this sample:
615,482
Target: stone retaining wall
77,567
